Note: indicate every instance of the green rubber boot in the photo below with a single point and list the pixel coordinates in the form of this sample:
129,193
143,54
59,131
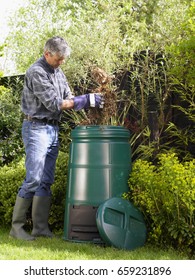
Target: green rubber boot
40,216
19,219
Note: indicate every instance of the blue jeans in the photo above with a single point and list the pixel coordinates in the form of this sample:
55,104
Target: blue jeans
41,147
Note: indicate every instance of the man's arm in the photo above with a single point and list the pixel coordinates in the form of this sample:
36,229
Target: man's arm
67,104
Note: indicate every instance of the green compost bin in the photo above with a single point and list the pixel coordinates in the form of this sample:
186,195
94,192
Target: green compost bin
99,167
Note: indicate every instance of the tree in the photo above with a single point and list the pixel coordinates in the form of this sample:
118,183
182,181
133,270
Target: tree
106,32
1,54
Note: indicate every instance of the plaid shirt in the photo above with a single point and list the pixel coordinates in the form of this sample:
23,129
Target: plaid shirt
44,90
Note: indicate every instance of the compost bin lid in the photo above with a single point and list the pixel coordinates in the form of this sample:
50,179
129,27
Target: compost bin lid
120,224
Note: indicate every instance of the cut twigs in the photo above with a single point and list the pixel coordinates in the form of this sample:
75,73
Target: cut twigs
102,116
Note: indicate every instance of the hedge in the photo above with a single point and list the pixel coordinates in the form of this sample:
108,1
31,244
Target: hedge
165,193
12,176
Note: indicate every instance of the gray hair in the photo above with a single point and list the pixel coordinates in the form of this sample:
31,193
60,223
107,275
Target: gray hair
57,45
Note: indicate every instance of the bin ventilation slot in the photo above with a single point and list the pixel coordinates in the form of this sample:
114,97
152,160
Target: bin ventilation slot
81,228
82,223
114,217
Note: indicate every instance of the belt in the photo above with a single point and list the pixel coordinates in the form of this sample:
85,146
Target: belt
43,120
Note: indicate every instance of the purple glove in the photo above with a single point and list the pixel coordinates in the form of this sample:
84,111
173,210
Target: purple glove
88,100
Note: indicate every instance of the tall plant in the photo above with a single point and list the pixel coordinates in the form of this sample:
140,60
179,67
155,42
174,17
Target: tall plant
182,76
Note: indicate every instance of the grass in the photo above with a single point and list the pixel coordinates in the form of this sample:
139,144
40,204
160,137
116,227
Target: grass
59,249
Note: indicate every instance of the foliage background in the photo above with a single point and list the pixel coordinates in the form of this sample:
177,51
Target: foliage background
106,33
146,45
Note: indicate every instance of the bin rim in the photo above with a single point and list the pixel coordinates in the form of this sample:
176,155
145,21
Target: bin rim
100,131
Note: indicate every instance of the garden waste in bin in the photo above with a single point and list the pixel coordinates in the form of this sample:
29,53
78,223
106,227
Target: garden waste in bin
99,167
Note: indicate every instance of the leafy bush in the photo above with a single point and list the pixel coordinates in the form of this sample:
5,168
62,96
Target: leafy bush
12,177
166,195
56,220
10,126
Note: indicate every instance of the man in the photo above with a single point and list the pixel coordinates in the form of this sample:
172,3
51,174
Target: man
45,95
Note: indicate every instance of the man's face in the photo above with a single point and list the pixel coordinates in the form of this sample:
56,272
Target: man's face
54,60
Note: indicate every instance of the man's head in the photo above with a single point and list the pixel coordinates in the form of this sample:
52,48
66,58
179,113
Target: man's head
56,50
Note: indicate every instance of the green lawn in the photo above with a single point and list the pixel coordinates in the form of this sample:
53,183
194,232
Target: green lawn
58,249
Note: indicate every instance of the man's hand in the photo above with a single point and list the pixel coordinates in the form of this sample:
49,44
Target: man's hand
96,100
86,101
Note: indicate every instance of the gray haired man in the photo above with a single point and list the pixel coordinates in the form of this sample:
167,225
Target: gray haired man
46,94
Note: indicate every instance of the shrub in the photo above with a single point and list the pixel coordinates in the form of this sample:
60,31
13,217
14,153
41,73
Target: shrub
12,177
165,194
56,219
10,126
